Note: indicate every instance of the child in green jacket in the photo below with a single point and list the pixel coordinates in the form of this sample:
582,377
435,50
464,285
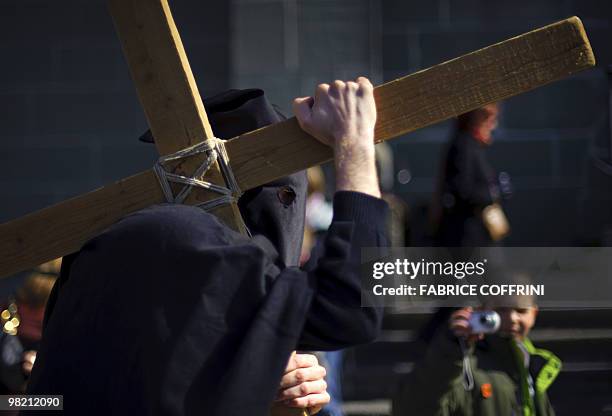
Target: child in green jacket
510,376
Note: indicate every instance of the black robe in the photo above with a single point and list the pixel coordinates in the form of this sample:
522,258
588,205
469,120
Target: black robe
469,186
169,312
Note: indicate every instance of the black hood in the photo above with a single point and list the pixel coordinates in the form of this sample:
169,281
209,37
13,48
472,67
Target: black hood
275,210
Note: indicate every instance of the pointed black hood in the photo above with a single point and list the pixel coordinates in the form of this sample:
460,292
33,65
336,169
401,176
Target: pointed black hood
275,210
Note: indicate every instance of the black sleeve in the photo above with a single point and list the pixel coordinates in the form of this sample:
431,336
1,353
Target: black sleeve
336,318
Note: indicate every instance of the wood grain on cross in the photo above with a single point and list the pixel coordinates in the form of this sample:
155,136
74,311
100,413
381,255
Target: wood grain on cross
168,91
177,118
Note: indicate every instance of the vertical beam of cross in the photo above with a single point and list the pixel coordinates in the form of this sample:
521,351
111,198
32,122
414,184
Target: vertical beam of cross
168,91
169,94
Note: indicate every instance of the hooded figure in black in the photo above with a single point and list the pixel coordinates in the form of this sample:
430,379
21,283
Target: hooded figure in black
169,312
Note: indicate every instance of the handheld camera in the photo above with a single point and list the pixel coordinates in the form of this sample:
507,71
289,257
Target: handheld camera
485,322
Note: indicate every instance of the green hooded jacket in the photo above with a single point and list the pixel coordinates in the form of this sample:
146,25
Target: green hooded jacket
503,386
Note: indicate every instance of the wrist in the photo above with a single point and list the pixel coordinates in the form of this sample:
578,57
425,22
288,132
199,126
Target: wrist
359,153
368,188
357,173
352,139
355,163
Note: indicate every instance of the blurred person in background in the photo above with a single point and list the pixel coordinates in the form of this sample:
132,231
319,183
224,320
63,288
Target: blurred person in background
466,211
319,213
22,319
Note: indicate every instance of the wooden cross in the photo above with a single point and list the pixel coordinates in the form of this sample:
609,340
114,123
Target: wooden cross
176,115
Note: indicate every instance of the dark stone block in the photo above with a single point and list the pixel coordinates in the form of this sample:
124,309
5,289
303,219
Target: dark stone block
334,35
592,9
488,12
41,193
17,111
573,158
543,217
390,75
87,60
88,114
36,19
32,167
438,47
211,75
596,206
20,205
576,102
72,41
211,85
400,12
258,37
201,19
112,163
420,158
522,158
396,53
599,38
280,90
25,61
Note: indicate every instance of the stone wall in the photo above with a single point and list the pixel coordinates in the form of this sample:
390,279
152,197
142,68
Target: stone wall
70,115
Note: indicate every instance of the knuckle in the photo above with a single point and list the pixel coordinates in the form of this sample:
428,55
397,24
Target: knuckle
296,402
299,359
304,389
300,376
308,360
366,85
312,360
304,402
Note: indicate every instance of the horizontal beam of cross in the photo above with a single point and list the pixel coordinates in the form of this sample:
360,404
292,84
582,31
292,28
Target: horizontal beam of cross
441,92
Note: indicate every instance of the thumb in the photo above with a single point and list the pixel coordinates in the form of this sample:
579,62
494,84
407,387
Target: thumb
302,108
291,364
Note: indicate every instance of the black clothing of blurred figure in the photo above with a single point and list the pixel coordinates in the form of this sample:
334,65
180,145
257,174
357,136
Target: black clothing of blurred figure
468,182
169,312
